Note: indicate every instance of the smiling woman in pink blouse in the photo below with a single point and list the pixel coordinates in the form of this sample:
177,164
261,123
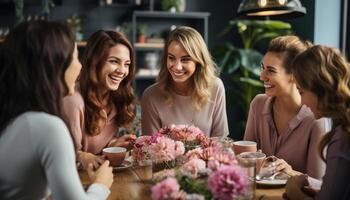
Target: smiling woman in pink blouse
278,121
104,99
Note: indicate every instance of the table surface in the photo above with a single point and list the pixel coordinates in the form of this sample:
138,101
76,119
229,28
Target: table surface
134,184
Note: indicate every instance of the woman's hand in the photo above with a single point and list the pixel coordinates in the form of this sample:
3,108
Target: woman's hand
85,158
294,187
103,175
282,166
123,141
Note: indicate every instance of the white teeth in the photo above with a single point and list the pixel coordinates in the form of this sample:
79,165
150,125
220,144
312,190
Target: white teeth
267,86
115,79
178,73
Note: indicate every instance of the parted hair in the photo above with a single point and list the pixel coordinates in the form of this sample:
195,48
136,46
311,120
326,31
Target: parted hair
289,47
205,71
33,60
94,57
325,72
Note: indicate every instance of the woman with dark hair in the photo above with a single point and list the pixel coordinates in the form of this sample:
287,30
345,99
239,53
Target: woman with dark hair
278,121
39,65
323,77
104,99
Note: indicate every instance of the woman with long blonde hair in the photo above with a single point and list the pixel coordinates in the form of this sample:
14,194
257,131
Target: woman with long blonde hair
188,90
104,99
323,77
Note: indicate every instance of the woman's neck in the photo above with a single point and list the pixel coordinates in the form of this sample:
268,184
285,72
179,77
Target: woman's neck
290,103
183,89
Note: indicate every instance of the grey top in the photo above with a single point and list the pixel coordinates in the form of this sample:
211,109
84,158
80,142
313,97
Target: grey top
37,155
297,145
336,181
211,119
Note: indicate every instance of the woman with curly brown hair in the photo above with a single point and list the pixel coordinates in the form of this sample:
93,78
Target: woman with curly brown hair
104,98
323,77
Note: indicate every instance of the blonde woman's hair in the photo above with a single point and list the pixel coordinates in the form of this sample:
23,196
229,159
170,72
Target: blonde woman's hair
205,71
325,72
289,47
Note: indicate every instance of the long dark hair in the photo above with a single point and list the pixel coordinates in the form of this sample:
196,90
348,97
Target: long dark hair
325,72
94,58
33,60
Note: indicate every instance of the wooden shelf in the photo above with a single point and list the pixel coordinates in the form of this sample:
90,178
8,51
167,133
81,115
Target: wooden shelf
167,14
81,43
149,46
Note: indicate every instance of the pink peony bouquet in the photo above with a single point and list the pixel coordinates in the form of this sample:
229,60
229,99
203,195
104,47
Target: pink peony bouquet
158,147
206,173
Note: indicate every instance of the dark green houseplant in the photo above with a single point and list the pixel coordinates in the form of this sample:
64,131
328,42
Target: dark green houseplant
240,67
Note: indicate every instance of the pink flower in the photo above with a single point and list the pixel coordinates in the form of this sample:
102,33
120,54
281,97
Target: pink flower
165,189
195,153
228,182
165,149
193,166
142,141
221,159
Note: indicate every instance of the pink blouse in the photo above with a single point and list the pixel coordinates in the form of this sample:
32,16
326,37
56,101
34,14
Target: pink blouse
73,107
297,145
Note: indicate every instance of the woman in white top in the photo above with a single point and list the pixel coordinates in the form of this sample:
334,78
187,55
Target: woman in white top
39,65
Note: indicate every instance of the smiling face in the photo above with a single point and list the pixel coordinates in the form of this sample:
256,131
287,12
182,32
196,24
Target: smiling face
276,80
116,67
72,72
180,65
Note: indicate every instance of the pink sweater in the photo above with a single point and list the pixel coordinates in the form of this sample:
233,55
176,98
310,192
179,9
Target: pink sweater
211,119
297,145
73,107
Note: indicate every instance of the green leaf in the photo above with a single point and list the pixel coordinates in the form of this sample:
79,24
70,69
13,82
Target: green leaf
252,82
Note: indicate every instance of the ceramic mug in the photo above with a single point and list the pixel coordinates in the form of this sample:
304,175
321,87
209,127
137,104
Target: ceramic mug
244,146
115,155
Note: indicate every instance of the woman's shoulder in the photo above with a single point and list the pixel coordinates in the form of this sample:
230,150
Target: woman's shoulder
151,91
261,99
75,100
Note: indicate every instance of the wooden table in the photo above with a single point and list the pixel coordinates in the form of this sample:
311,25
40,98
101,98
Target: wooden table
135,183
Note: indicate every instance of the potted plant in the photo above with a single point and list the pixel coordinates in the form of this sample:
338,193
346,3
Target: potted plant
173,5
240,67
75,22
141,33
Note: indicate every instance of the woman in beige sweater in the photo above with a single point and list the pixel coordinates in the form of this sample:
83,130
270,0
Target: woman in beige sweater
187,90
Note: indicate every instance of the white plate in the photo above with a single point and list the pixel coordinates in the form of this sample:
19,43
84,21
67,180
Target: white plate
274,182
126,164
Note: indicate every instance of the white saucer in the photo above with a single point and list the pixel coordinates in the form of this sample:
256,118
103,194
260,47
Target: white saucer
274,182
126,164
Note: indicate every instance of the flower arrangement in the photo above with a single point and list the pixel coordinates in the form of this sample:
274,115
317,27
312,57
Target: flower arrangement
191,135
206,173
159,148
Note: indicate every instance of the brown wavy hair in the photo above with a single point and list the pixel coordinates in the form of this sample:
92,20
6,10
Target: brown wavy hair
289,47
33,61
123,99
325,72
205,72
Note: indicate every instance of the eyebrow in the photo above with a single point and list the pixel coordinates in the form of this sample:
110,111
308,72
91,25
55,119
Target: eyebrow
186,56
268,66
114,57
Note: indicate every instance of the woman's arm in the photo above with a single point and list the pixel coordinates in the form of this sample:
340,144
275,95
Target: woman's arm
220,124
315,165
150,121
54,150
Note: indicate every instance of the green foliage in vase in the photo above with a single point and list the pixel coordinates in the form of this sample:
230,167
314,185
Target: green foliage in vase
167,4
241,66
